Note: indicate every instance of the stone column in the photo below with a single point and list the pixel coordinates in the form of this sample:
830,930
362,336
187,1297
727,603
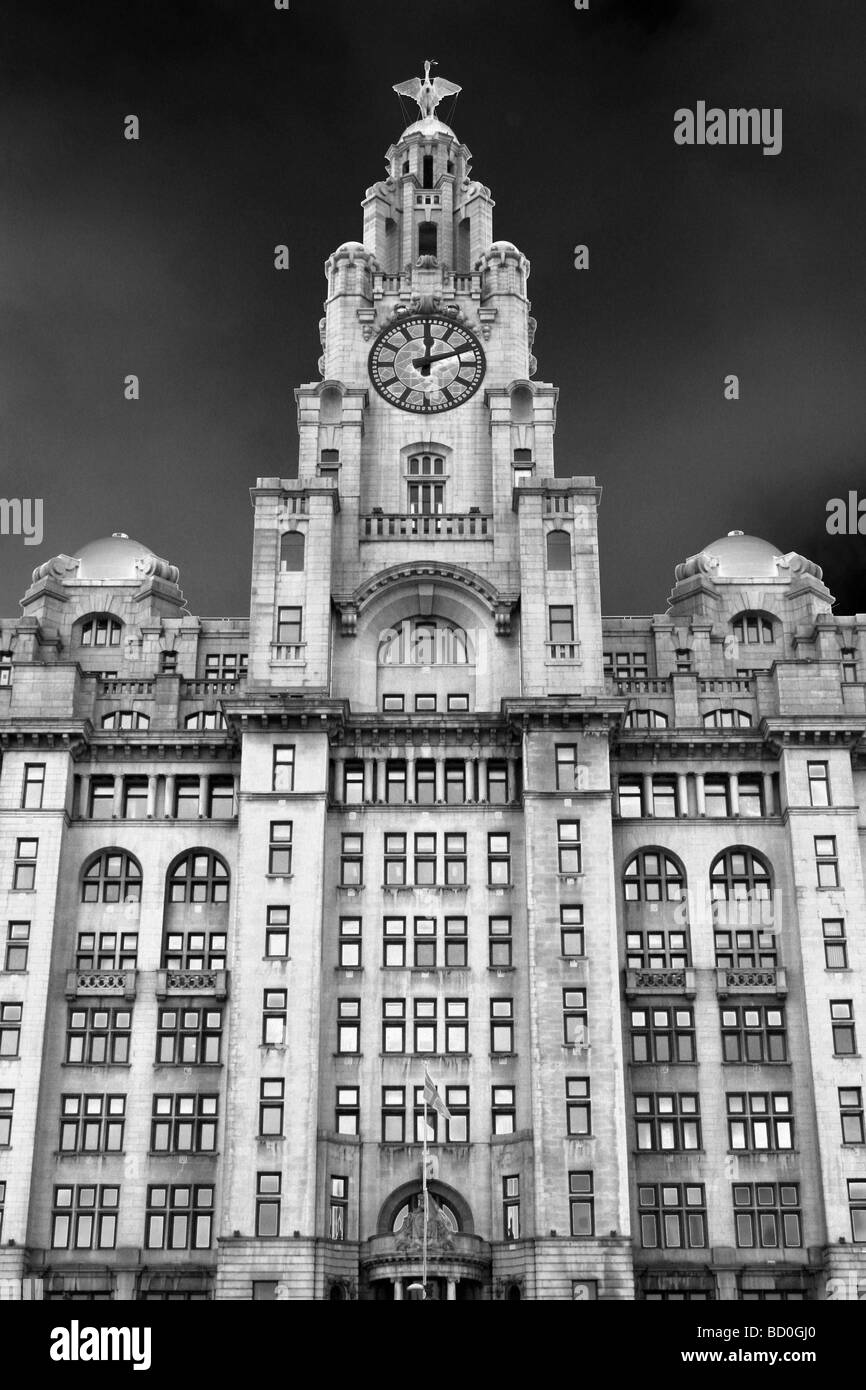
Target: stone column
440,780
84,794
151,796
647,793
410,776
398,1290
451,1294
338,786
734,793
168,810
203,789
117,803
469,789
369,792
699,794
769,795
682,794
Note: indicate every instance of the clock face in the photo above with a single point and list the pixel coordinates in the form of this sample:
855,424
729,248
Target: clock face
426,363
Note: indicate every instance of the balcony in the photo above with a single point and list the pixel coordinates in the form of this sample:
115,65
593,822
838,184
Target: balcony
562,653
196,689
450,1254
637,685
443,526
762,980
170,983
87,983
680,981
288,653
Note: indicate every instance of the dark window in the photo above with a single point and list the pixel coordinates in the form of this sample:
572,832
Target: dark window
24,867
754,1033
269,1186
189,1037
558,550
280,848
581,1204
98,1037
673,1216
842,1022
34,786
84,1217
500,942
352,860
767,1215
835,943
851,1114
427,239
289,626
284,768
200,877
760,1121
17,946
292,551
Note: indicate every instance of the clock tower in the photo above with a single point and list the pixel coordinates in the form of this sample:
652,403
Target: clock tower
425,622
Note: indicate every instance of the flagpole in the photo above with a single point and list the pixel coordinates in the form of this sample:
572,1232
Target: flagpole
424,1191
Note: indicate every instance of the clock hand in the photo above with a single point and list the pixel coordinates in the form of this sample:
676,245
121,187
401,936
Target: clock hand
423,362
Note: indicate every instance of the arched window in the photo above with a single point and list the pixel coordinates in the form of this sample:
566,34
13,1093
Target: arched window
424,642
645,719
112,876
199,877
292,551
653,876
101,632
412,1211
126,719
522,406
558,550
727,719
753,628
428,238
740,874
205,719
330,406
426,484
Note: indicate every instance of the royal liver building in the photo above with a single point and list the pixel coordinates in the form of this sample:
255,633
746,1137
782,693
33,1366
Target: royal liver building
426,813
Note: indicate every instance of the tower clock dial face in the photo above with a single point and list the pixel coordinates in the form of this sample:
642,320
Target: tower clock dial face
426,363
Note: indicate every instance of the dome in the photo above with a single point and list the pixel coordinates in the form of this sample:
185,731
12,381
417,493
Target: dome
429,125
738,556
113,557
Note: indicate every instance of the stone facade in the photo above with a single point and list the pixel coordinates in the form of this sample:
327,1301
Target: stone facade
427,807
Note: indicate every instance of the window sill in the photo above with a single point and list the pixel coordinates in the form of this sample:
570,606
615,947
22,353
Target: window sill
280,878
163,1153
101,1066
89,1153
269,1138
281,959
430,1056
502,1056
763,1153
186,1065
846,1056
501,969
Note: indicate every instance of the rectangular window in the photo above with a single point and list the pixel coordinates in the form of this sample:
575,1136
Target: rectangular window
511,1207
274,1017
395,860
760,1121
7,1102
663,1035
277,932
289,626
750,795
189,1037
394,942
225,666
17,946
84,1217
458,704
630,795
673,1216
348,1025
280,848
425,783
716,796
284,768
819,784
395,783
425,704
179,1217
753,1033
353,784
684,659
498,859
664,796
857,1207
425,943
98,1037
184,1124
135,798
418,1119
574,1018
561,618
393,1025
503,1110
745,950
425,1025
186,798
34,786
578,1108
338,1207
827,861
500,940
269,1188
194,950
497,784
425,860
271,1107
455,783
571,930
24,867
851,1114
101,799
393,1115
457,1026
568,837
351,860
457,1101
566,767
502,1026
849,665
92,1123
667,1123
842,1023
348,1110
455,861
221,798
393,704
767,1215
835,943
5,676
581,1204
350,943
106,950
456,942
657,950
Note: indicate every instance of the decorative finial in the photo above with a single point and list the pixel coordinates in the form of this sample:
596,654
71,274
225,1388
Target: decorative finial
429,92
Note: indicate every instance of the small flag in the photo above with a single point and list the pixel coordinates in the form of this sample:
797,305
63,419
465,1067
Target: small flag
432,1097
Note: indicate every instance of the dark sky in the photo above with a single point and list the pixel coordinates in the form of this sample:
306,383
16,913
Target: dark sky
259,127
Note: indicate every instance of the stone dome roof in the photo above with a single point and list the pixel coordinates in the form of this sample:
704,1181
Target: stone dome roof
743,557
429,125
114,557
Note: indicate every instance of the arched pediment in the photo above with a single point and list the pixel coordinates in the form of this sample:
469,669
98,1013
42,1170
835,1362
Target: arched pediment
420,582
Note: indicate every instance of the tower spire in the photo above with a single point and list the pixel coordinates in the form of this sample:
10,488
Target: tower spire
427,91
